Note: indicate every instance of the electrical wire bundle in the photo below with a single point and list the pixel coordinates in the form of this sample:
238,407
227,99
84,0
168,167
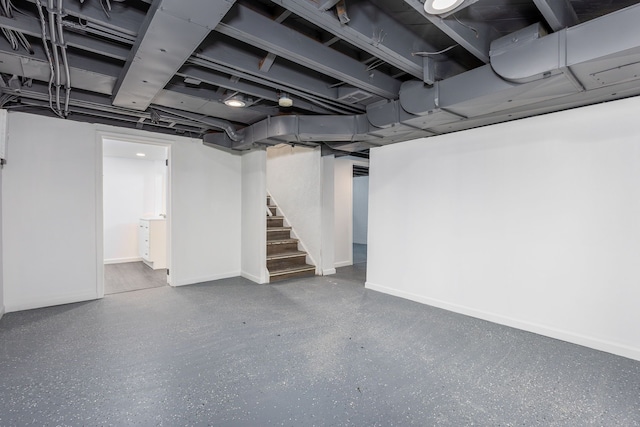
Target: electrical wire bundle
15,38
59,48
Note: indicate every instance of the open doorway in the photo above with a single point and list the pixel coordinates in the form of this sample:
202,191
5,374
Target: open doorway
360,211
135,206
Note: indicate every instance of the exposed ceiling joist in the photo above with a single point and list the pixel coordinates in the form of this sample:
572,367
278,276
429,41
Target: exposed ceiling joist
32,28
474,37
120,19
245,87
169,35
559,14
370,30
255,29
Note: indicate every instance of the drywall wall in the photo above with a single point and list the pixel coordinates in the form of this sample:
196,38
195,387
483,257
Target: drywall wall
2,309
294,181
132,188
531,223
343,212
254,213
49,212
327,215
360,209
52,210
206,212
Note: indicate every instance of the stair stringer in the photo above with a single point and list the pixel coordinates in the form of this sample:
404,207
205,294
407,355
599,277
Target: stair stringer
301,246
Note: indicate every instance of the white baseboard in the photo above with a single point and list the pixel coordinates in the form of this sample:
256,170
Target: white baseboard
1,311
194,280
343,264
560,334
122,260
40,302
328,271
252,277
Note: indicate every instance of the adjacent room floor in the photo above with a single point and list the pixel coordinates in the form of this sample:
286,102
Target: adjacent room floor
320,351
132,276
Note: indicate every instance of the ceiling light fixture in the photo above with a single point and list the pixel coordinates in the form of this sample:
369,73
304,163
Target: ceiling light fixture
438,7
235,101
141,155
284,100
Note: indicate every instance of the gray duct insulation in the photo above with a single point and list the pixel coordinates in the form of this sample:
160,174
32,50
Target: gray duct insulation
527,75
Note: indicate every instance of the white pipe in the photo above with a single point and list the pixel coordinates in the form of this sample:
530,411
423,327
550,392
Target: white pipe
63,49
54,46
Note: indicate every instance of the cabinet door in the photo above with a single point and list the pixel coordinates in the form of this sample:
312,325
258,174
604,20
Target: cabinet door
143,239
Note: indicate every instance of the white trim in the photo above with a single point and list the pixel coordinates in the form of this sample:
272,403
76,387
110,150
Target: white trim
343,264
122,260
328,271
194,280
39,302
252,277
592,342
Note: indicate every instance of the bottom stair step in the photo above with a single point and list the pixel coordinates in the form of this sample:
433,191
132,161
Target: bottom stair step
290,273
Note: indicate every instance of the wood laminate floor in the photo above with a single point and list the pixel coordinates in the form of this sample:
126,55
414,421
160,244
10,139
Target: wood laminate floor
132,276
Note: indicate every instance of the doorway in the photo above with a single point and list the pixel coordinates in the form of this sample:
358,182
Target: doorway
135,223
360,211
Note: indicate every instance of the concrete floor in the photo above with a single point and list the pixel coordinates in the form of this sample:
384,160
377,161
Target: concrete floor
320,351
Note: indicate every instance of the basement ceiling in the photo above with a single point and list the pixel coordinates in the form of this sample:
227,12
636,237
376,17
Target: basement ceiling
348,75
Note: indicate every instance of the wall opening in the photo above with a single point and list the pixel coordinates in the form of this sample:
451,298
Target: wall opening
135,222
360,212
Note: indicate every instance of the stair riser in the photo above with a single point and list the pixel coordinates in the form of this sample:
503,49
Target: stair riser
278,235
273,210
268,201
281,264
281,248
292,276
275,222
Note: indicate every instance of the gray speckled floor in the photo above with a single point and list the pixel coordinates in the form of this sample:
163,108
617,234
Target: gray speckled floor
321,351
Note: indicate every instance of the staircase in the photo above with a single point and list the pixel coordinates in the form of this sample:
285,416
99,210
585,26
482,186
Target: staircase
284,260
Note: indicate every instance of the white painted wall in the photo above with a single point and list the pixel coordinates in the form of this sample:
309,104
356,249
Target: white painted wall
49,191
343,212
52,211
532,224
360,209
133,188
206,212
294,180
254,214
2,309
327,214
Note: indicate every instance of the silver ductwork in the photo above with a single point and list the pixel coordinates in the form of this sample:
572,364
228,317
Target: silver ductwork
529,73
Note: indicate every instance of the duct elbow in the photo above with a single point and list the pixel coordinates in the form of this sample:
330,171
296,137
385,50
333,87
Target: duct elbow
528,60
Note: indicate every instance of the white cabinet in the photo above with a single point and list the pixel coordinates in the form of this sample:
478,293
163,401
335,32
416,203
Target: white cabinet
152,240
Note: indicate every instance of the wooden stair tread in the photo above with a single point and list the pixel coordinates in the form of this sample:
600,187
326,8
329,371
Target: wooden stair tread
278,229
286,255
281,241
292,270
275,217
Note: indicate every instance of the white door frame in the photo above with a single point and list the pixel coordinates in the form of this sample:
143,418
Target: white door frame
166,141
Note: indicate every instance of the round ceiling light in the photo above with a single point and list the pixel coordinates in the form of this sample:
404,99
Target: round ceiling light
285,101
437,7
235,102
